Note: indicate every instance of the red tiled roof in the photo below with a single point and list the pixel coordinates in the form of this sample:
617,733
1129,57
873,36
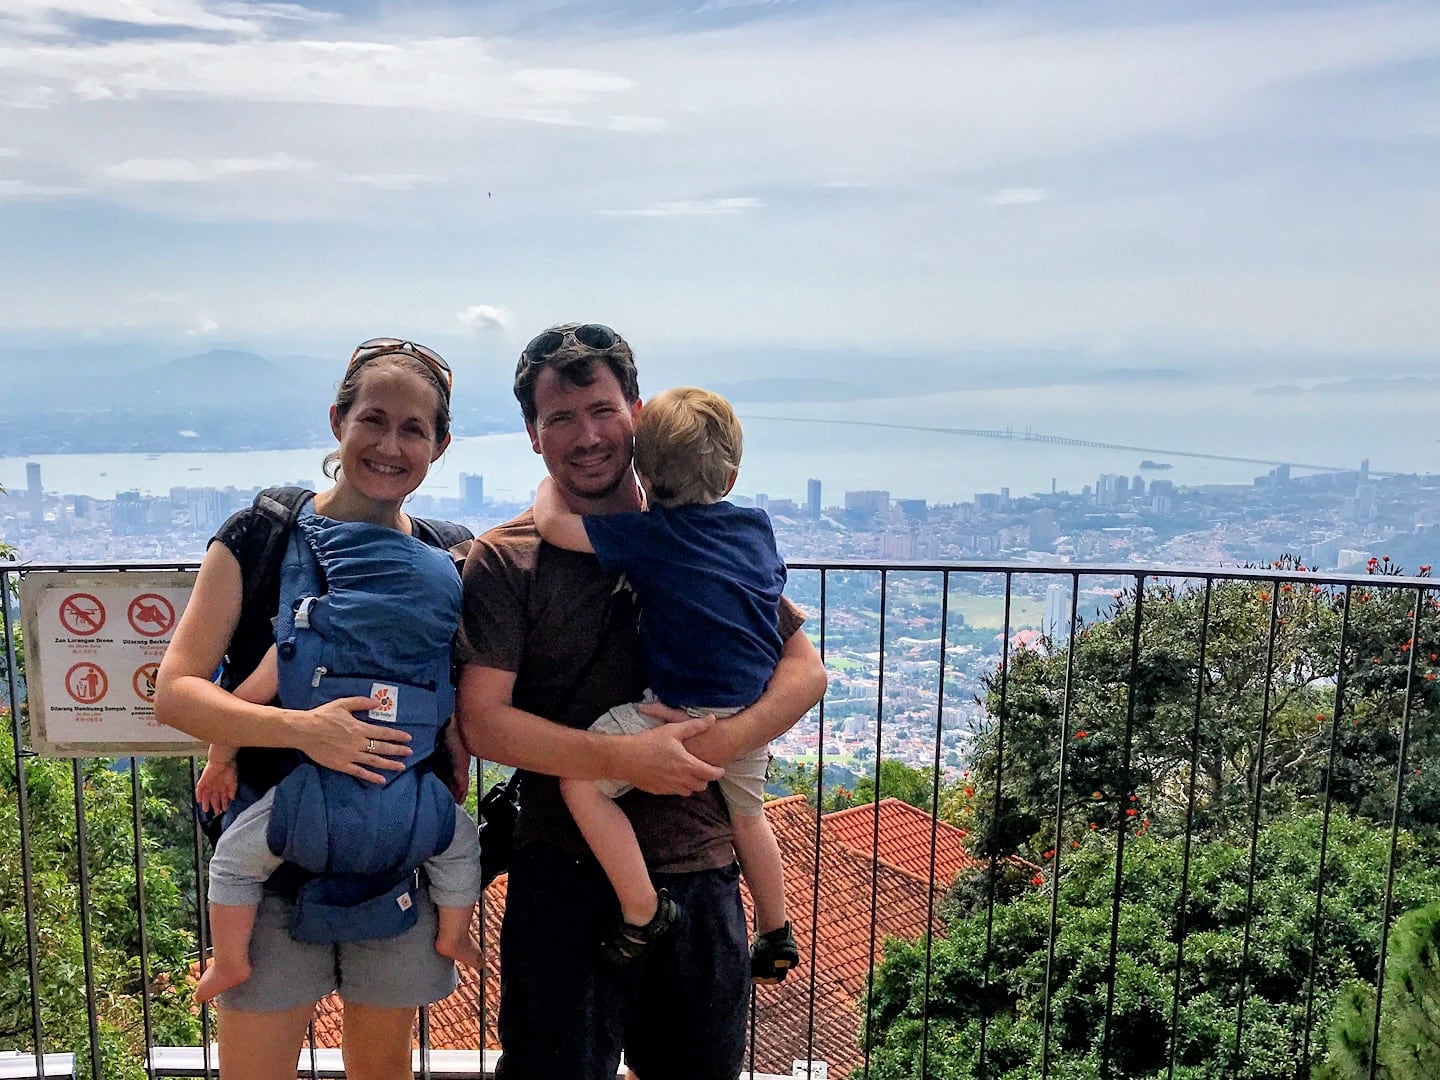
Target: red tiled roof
835,958
905,833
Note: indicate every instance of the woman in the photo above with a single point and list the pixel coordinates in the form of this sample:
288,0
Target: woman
391,417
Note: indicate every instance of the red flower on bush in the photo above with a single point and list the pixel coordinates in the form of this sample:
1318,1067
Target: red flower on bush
1130,811
1037,880
1081,734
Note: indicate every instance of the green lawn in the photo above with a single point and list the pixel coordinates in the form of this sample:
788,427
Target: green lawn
988,612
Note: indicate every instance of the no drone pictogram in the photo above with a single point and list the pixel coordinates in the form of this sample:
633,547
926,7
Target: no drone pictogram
143,681
86,683
82,614
151,614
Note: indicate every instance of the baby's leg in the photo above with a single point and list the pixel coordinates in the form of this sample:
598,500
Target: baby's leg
607,830
241,865
453,937
454,876
230,928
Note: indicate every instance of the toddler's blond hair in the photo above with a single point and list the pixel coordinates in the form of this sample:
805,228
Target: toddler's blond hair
687,446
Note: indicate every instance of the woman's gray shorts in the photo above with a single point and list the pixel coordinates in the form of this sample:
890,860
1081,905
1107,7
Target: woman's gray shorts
743,784
398,972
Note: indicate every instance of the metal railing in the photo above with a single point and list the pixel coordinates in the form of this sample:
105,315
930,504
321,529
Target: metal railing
1104,730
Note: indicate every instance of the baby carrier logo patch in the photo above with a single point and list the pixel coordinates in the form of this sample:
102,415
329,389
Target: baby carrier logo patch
388,695
403,901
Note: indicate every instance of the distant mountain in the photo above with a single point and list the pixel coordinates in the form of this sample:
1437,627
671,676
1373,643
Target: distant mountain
239,378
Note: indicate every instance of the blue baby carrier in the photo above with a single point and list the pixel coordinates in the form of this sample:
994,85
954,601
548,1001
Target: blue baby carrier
365,611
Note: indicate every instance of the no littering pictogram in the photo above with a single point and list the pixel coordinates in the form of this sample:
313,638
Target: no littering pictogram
82,614
151,615
144,681
86,683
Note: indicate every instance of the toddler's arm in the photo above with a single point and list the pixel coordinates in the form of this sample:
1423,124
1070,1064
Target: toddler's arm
556,522
219,780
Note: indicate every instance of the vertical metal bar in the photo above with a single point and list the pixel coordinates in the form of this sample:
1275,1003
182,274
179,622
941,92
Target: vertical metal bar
994,862
82,871
1045,1013
934,821
1183,904
1400,767
423,1022
815,885
139,835
1302,1066
22,802
1259,774
875,829
1122,826
202,924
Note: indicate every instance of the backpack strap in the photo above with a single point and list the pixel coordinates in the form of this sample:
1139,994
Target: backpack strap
442,534
278,507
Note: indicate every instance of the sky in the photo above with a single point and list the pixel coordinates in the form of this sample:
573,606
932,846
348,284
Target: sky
1123,179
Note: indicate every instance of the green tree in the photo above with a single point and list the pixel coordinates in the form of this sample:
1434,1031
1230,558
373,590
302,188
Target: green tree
1114,777
1409,1043
946,1015
122,987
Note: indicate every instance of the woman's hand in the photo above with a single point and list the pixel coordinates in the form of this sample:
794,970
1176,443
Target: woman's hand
334,737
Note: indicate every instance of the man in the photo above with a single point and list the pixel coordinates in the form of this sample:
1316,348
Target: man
548,648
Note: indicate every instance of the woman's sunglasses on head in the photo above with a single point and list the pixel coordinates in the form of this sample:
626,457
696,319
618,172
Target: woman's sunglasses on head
389,346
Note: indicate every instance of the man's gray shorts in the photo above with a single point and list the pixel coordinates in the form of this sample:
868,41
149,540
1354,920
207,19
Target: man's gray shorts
743,784
388,973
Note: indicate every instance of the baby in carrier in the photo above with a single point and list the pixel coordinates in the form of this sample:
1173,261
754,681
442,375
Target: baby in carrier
365,611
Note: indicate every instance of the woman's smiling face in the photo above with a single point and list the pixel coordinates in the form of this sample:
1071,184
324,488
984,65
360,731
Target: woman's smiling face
388,436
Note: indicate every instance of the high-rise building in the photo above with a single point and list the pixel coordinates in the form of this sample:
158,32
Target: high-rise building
34,493
1057,612
472,491
812,498
867,503
1043,532
914,509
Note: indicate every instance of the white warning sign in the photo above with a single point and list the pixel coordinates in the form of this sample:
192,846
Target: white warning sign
93,643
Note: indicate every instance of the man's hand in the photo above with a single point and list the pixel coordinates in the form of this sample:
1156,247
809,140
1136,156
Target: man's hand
657,761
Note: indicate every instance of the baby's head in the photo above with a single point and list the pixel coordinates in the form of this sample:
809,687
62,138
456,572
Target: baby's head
687,447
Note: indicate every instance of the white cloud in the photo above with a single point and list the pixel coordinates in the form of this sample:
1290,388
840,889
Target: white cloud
9,151
648,124
1177,158
391,181
691,208
481,318
1017,196
48,16
24,189
183,171
276,162
157,171
202,327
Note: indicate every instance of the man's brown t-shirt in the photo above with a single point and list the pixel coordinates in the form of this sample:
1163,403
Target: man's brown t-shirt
539,611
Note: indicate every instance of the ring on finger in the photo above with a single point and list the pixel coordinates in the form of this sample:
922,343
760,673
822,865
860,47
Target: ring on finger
369,746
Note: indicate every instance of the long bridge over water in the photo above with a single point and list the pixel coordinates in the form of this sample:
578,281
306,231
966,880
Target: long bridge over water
1010,434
